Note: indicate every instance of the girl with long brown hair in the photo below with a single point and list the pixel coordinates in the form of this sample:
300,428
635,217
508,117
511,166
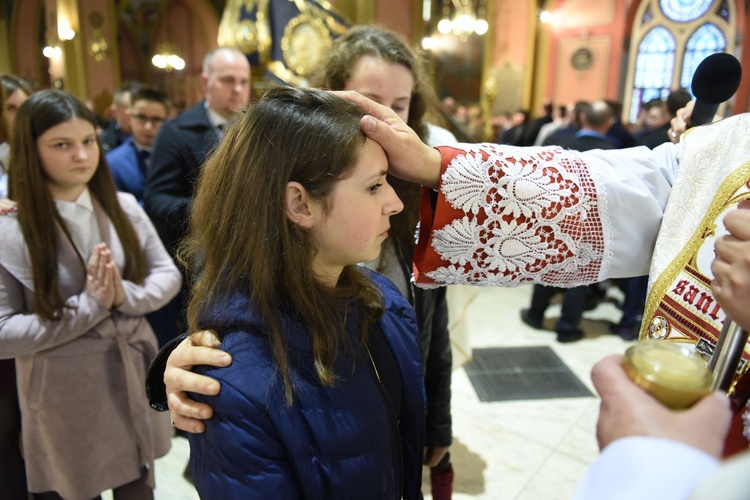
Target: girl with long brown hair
81,266
380,65
324,398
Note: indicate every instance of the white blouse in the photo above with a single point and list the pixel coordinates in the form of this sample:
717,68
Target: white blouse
79,216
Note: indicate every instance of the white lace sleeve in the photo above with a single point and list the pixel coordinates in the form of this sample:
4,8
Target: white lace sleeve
507,215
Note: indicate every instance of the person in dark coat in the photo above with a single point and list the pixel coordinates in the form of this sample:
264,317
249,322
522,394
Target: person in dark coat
514,135
677,99
534,126
184,143
119,129
618,132
129,161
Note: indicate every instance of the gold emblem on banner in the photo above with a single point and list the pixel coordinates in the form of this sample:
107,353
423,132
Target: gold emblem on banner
305,42
249,36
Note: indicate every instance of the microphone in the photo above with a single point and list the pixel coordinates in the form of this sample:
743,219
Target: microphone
716,79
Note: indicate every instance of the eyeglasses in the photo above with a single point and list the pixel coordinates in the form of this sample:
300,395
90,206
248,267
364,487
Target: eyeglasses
154,120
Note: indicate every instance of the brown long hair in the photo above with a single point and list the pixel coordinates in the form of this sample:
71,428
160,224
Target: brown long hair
36,208
336,69
240,233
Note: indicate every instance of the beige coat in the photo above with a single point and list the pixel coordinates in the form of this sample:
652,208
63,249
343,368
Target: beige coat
86,423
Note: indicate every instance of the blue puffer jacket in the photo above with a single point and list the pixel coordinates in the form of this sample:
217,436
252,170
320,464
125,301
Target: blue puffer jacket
334,442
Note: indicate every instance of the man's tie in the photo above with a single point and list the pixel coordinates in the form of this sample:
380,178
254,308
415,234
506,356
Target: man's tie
143,160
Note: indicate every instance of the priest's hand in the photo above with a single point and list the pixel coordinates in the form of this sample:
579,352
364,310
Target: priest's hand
731,266
408,157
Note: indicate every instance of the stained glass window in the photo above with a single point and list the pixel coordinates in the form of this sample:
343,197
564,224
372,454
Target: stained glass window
654,67
683,11
707,40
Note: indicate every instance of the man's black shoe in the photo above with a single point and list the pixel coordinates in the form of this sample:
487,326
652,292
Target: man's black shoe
624,332
526,318
567,336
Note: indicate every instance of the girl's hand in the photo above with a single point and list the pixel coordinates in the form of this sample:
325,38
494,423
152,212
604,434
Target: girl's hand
7,206
119,289
100,282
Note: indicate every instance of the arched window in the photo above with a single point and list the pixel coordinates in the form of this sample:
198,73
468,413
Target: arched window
707,40
654,66
670,40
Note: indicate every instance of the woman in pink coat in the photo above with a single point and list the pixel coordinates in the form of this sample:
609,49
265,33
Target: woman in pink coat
80,267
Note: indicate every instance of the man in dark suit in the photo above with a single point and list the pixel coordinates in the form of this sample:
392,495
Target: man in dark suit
184,143
534,126
677,99
130,160
618,133
119,128
514,135
594,121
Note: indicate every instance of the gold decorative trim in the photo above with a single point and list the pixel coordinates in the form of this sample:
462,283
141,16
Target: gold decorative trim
249,36
306,40
730,186
283,73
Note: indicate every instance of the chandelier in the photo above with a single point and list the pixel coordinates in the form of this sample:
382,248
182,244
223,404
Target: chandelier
166,58
467,19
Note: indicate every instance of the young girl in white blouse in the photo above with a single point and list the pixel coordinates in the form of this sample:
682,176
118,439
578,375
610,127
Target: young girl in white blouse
81,266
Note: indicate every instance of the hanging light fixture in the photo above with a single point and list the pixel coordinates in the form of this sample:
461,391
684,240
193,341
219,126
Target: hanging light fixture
467,19
166,58
52,48
98,46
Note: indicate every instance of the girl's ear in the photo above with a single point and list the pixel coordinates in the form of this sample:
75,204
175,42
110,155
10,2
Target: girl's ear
299,209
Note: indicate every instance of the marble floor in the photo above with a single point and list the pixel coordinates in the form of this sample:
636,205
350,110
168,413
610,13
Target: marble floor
511,450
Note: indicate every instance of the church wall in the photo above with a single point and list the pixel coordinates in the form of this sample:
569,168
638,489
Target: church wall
24,45
101,76
192,26
512,55
586,40
396,15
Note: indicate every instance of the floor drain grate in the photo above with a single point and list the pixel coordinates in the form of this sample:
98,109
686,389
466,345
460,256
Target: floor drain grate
512,373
